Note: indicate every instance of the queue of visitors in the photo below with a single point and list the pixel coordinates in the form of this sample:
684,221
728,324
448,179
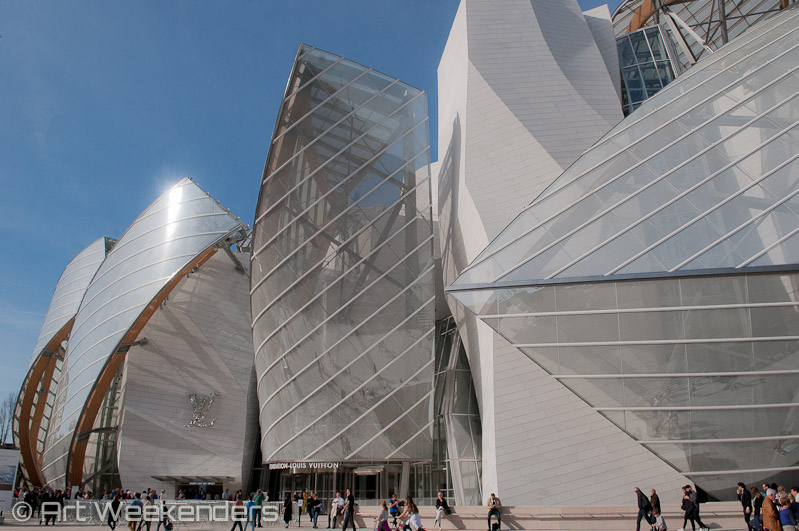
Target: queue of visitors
773,508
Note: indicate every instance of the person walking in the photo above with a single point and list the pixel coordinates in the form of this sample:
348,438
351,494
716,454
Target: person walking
787,518
441,509
238,513
113,514
644,509
688,507
312,504
654,500
771,516
745,497
147,518
349,511
287,509
694,497
336,507
381,520
250,508
258,500
495,509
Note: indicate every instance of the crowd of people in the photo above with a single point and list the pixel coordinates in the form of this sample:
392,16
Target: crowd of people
772,509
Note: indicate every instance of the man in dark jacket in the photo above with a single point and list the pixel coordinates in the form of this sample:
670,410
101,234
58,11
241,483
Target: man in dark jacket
644,509
745,498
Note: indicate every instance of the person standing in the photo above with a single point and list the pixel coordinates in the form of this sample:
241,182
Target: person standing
745,497
393,506
771,517
644,509
335,509
287,509
494,509
787,519
757,502
258,500
300,497
349,511
441,509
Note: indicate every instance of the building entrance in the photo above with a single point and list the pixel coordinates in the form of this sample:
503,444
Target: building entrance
369,482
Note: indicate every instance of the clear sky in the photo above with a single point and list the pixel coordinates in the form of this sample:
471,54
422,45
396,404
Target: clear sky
104,105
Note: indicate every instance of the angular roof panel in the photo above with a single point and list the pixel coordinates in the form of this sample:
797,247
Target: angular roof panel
703,175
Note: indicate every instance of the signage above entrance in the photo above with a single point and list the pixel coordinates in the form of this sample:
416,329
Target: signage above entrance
316,465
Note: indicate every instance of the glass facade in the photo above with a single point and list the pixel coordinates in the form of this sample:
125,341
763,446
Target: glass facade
342,269
37,396
647,65
703,175
701,370
165,239
457,449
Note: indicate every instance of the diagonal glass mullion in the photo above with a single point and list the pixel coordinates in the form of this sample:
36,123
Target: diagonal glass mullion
638,191
374,406
345,367
388,426
366,289
767,249
342,307
543,197
411,438
718,56
745,224
314,78
327,131
340,183
321,103
340,245
352,393
336,155
298,219
345,242
689,190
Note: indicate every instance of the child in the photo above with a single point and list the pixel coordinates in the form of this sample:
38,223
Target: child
660,523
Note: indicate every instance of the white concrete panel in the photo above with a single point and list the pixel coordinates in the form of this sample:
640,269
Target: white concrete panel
601,26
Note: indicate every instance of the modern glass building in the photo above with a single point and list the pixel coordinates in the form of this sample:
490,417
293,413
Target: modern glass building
342,287
68,430
656,277
622,294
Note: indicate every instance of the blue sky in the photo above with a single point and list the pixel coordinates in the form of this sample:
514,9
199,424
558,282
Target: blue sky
104,105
